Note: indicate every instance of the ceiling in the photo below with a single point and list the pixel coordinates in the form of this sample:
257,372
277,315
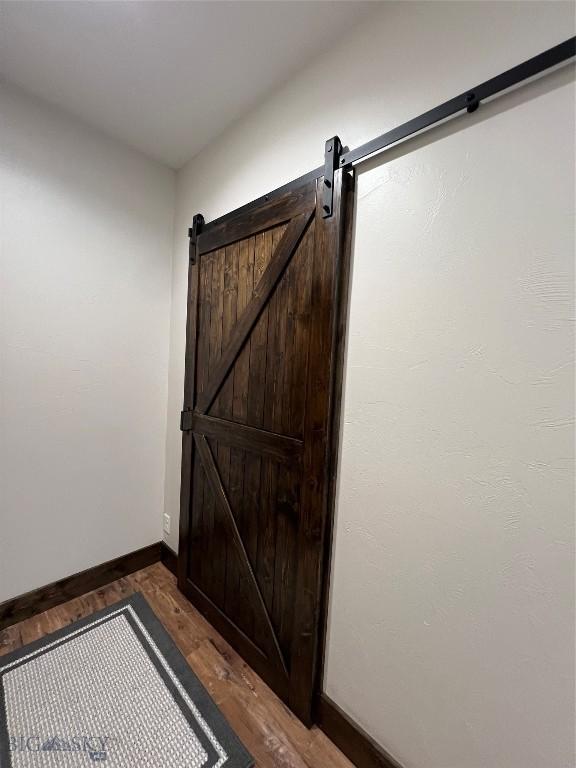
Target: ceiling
164,77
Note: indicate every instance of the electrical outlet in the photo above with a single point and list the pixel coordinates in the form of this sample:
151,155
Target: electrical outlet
166,523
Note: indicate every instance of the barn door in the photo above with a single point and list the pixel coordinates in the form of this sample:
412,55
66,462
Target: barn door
264,332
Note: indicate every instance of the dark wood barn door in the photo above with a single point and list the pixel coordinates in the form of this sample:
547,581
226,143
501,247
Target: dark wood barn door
265,326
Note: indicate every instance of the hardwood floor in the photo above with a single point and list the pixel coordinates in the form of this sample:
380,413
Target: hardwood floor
269,730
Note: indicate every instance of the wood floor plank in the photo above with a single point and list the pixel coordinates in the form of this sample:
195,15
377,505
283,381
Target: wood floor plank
10,639
273,735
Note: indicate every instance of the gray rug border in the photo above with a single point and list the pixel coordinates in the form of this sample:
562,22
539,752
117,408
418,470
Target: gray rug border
239,757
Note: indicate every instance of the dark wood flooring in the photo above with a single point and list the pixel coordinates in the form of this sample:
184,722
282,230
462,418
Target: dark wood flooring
269,730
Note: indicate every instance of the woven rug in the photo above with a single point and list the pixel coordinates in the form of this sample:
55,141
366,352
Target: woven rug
111,689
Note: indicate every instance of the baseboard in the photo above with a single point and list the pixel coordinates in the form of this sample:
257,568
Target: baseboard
169,558
356,744
40,600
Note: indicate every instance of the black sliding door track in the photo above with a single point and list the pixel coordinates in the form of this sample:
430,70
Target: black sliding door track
467,101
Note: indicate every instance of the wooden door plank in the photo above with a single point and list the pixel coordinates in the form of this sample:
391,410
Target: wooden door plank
267,517
263,517
242,367
226,397
202,573
262,292
293,398
254,407
287,483
327,253
216,535
241,376
207,458
299,370
193,567
187,464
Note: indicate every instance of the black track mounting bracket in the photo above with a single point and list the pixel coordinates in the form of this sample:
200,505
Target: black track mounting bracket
332,152
472,102
193,232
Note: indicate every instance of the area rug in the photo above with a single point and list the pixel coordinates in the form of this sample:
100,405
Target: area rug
111,689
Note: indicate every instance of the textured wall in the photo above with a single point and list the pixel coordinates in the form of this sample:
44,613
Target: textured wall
452,613
85,260
451,623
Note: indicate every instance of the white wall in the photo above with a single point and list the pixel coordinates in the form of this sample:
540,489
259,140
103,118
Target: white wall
451,625
456,502
85,262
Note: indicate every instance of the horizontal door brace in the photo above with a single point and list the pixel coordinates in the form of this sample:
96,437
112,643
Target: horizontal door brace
281,447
